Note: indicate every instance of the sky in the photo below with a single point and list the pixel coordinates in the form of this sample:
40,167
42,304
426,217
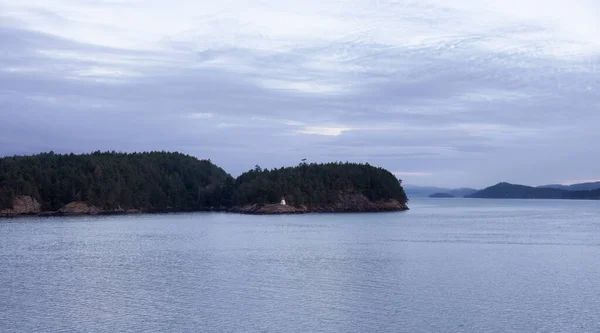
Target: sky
447,93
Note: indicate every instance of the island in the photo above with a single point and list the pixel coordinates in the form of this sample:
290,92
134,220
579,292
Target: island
506,190
441,195
51,184
425,191
331,187
589,186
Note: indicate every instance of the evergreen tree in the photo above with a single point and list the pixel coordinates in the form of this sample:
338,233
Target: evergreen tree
173,181
110,180
316,184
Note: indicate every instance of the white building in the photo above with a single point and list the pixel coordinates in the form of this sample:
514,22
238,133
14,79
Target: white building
283,200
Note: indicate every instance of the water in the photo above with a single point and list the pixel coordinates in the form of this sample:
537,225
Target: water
448,265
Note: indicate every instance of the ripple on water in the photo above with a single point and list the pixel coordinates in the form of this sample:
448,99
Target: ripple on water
444,266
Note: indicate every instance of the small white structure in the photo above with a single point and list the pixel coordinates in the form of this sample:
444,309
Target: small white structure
283,201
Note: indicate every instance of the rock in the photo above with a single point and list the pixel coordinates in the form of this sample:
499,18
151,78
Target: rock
23,205
79,208
356,202
121,211
270,209
346,202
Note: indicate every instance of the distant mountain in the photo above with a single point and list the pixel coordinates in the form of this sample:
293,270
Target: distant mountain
414,191
583,195
461,192
589,190
441,195
514,191
555,186
575,187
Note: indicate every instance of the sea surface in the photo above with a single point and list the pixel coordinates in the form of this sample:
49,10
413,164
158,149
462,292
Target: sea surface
447,265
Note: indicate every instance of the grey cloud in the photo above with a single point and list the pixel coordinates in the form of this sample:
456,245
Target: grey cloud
404,108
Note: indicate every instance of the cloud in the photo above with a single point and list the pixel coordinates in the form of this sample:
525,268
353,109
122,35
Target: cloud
305,87
199,115
327,131
472,92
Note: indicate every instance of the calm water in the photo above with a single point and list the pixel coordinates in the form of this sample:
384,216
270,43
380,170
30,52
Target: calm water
453,265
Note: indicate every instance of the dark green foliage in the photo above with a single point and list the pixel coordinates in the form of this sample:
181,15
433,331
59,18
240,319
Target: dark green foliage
316,184
158,181
149,181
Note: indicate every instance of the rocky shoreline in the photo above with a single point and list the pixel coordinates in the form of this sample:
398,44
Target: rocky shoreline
277,209
28,206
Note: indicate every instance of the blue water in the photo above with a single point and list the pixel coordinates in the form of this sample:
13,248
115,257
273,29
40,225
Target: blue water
448,265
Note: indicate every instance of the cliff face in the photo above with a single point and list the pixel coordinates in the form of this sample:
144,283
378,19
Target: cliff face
355,202
23,205
346,202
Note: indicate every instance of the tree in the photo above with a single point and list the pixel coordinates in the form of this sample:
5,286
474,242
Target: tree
153,180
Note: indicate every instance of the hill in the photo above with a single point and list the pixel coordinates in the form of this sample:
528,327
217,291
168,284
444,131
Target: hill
513,191
582,195
110,182
575,187
320,188
103,183
425,191
506,190
442,195
461,192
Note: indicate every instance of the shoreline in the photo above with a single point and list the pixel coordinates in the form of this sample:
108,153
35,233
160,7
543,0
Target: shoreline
28,206
236,210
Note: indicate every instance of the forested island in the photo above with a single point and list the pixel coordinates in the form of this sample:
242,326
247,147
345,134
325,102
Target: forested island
441,195
415,191
514,191
113,183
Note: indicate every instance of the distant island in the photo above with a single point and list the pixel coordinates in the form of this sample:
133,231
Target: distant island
575,187
415,191
513,191
442,195
117,183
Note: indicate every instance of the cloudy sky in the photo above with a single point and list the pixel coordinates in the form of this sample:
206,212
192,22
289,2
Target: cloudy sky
449,93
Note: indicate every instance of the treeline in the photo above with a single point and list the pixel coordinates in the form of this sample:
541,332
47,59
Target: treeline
174,181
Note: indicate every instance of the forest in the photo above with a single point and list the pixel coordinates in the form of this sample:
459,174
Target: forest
316,184
168,181
151,181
